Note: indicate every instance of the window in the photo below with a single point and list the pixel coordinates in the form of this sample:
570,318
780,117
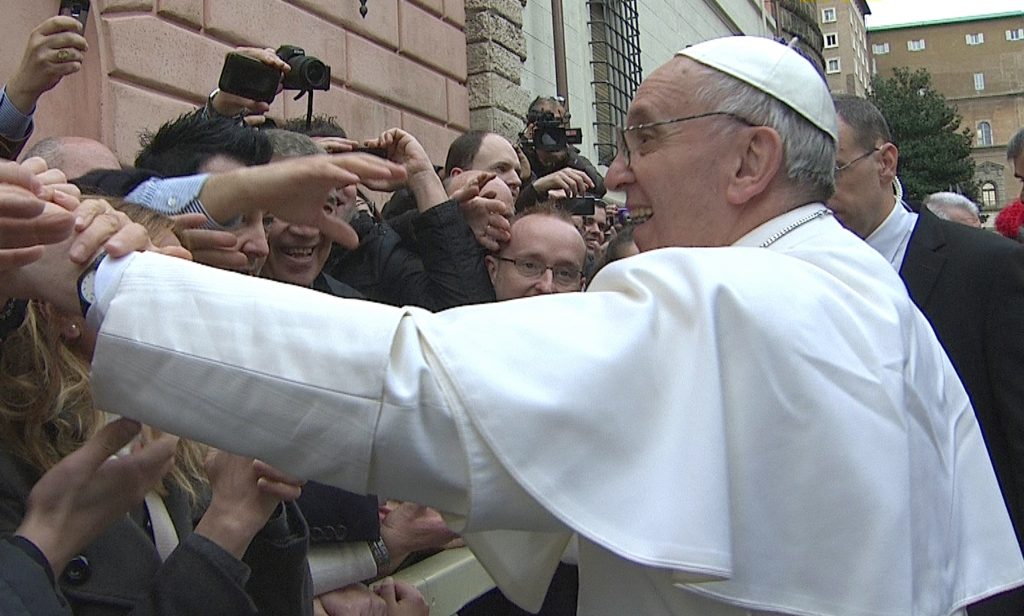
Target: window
975,39
917,45
1015,35
880,49
979,81
832,66
984,133
828,16
988,196
615,44
831,40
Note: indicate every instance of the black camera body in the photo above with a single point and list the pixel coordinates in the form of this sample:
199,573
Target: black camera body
580,206
550,133
308,72
252,79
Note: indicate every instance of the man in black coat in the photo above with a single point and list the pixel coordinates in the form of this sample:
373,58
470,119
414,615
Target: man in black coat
969,283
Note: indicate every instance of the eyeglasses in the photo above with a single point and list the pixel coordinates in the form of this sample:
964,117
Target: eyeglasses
630,133
841,168
564,276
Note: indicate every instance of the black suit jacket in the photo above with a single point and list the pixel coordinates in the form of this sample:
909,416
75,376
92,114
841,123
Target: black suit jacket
970,285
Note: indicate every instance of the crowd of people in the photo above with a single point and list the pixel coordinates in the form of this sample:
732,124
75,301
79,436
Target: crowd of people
784,391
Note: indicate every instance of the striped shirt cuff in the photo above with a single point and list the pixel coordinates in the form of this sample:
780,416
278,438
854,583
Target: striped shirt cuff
173,196
14,124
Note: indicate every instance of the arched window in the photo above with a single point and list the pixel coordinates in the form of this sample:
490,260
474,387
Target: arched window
988,195
984,133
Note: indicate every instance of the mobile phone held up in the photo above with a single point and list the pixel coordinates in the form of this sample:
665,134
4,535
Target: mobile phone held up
249,78
79,9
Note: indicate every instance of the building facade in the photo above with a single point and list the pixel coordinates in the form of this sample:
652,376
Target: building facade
977,63
403,64
847,61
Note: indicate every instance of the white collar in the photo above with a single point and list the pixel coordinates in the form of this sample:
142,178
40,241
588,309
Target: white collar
891,237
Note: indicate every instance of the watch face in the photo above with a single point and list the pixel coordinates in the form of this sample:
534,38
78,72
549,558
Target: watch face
87,290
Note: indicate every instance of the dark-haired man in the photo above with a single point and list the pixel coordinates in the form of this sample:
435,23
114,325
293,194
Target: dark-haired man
968,283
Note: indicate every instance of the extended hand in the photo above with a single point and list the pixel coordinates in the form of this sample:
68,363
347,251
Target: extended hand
76,500
573,181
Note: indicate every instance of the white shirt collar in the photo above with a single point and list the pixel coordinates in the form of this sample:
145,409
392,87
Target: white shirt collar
891,237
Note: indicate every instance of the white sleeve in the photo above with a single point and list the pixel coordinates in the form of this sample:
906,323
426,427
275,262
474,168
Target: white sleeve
333,390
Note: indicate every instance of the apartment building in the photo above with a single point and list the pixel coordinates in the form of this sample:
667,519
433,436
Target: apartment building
847,61
977,63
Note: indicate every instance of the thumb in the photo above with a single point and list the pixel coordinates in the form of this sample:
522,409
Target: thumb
386,590
108,441
465,193
339,231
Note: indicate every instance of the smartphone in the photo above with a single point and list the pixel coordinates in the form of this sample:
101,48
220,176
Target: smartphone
378,152
249,78
79,9
579,206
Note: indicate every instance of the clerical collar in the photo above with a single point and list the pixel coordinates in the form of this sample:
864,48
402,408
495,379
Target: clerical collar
775,229
891,237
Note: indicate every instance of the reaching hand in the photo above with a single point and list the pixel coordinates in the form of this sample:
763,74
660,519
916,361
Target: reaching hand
336,145
209,246
296,189
401,598
76,500
352,600
51,179
56,49
485,214
573,181
245,493
408,527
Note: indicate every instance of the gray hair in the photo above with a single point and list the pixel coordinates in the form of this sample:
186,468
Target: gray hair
1016,146
287,144
941,202
809,154
48,149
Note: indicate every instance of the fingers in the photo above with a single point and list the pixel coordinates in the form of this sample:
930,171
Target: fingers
336,145
13,258
18,175
51,226
188,221
339,231
19,203
385,589
177,252
35,165
368,168
63,198
60,23
284,492
128,239
271,473
109,440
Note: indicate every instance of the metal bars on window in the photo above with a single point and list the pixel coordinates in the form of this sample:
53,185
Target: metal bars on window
615,46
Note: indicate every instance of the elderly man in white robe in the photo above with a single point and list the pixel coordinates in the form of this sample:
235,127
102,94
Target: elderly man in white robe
798,438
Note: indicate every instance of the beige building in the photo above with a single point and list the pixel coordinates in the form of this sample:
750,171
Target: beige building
847,61
977,63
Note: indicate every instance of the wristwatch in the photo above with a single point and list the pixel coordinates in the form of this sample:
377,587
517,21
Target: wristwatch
381,556
87,284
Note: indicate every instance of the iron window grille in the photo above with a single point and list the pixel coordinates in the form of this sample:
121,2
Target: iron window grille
615,46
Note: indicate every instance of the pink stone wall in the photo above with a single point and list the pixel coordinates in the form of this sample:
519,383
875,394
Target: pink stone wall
150,60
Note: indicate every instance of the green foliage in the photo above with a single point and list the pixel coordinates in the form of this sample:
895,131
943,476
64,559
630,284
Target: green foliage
935,153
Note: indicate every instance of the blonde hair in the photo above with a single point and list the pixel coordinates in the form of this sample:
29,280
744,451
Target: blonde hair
46,406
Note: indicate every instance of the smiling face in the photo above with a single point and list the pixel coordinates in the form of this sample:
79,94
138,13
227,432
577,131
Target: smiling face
678,172
298,252
545,240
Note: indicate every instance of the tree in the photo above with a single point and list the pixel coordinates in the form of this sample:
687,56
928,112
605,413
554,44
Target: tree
935,153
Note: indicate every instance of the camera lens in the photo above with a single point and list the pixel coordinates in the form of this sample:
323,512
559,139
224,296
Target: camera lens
314,71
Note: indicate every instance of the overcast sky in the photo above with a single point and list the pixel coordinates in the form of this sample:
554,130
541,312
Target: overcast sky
885,12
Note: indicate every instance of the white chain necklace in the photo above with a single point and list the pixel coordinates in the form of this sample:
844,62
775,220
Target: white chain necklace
793,225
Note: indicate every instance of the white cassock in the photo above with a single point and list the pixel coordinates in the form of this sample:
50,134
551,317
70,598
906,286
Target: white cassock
754,430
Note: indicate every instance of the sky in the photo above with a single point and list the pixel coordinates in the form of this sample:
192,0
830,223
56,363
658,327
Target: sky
886,12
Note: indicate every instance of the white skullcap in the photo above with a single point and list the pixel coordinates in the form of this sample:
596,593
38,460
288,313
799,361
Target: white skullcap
774,69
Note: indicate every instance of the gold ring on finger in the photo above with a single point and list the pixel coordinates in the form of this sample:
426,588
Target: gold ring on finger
63,55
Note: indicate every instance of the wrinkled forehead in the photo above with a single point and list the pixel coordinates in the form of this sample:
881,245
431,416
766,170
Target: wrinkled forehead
668,92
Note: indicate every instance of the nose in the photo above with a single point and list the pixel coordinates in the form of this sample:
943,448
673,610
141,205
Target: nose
619,174
252,241
303,230
546,283
514,182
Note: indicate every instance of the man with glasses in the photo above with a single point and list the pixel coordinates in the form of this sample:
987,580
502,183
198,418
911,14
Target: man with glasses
545,255
772,428
968,283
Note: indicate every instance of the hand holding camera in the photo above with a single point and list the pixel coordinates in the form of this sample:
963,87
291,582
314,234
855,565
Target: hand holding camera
257,75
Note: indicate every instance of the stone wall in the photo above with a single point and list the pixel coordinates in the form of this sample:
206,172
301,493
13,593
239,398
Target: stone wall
404,64
496,49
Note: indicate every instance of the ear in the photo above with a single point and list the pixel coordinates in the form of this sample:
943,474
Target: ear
760,158
889,158
492,266
70,328
456,171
